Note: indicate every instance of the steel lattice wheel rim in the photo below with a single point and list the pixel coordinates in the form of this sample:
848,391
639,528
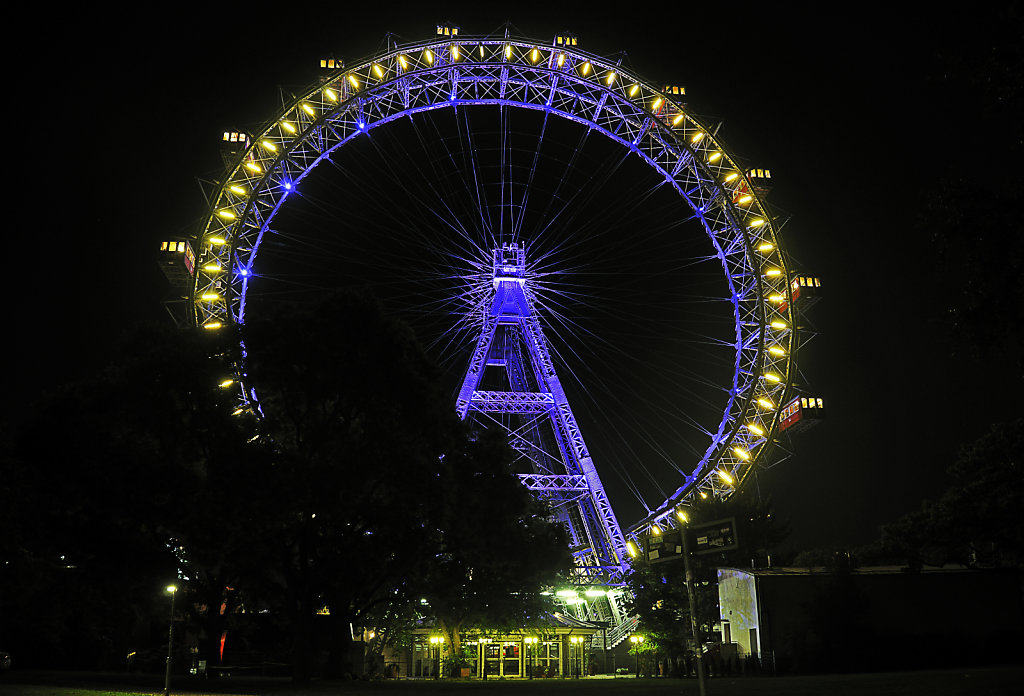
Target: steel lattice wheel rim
595,92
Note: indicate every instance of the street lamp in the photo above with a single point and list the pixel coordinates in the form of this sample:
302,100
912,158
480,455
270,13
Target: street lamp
690,596
532,654
483,656
636,640
173,590
435,642
577,645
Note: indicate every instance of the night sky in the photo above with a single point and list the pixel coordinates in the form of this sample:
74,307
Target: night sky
859,114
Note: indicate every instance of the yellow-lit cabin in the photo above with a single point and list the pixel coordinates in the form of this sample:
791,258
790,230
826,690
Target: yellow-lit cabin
232,145
801,413
177,261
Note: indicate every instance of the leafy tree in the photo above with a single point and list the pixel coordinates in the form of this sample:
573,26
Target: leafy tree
100,472
977,521
351,492
972,214
369,493
659,589
349,474
498,548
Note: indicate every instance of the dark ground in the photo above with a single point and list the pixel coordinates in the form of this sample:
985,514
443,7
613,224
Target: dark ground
973,681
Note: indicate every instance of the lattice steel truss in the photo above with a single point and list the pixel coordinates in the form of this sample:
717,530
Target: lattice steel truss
512,340
458,72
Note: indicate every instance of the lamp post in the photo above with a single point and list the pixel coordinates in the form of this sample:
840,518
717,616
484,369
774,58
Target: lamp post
691,598
435,642
636,640
483,656
577,646
531,654
170,642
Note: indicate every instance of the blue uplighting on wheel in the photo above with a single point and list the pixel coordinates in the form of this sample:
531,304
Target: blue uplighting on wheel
513,78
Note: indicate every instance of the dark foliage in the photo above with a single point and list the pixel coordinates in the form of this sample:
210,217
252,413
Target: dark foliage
357,491
659,589
977,521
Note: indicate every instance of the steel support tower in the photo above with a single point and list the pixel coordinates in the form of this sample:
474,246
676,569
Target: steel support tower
511,381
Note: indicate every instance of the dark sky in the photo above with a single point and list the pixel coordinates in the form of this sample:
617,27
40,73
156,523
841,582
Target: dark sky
859,114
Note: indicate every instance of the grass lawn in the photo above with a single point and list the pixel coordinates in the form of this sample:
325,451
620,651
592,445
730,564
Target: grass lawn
994,681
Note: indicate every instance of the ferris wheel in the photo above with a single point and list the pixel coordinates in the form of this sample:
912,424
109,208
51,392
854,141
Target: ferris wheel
497,140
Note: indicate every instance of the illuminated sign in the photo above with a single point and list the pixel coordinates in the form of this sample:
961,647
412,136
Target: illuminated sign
713,537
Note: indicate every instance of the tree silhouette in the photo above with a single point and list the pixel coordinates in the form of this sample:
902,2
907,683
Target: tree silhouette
977,521
498,547
659,589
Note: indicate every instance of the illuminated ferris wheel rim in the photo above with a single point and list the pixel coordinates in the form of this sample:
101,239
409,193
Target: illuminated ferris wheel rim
453,71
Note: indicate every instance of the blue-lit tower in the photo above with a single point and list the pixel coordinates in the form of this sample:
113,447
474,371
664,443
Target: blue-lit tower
512,381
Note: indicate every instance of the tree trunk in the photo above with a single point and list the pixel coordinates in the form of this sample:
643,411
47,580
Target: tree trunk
452,632
302,645
345,655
